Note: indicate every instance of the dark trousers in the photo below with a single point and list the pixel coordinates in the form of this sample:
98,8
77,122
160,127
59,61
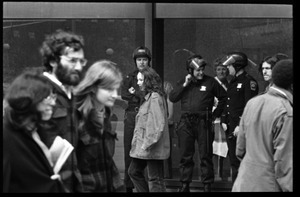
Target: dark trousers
168,162
190,130
129,124
234,161
155,174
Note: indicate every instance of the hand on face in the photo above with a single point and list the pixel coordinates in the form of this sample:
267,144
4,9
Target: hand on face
188,79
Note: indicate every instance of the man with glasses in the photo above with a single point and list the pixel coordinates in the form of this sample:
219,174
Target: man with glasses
63,58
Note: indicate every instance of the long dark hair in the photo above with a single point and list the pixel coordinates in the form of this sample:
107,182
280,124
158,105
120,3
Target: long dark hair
23,96
152,81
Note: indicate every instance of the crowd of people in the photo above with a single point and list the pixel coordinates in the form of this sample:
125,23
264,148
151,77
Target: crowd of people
64,102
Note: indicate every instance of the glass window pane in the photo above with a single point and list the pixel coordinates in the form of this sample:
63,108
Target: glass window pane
211,38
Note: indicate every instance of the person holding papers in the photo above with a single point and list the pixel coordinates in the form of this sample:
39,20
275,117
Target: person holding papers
95,95
27,162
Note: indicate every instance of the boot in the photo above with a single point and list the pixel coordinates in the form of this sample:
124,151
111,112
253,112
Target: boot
185,187
207,188
129,190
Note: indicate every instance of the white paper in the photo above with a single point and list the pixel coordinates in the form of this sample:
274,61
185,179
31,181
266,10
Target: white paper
60,151
220,148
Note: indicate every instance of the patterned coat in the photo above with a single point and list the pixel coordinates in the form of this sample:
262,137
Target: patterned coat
151,133
95,158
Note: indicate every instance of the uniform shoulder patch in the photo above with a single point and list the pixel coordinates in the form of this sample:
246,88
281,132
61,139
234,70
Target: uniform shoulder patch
253,85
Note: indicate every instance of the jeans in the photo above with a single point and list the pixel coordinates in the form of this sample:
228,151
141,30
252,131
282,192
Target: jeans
155,175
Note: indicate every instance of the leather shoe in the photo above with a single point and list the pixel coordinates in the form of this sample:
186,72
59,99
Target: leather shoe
185,187
129,190
207,188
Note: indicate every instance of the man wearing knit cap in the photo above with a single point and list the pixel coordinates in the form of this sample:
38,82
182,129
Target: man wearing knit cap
265,139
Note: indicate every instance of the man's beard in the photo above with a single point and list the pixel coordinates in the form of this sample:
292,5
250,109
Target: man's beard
67,76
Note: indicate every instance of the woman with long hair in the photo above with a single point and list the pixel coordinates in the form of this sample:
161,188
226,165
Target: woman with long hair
27,162
95,95
150,144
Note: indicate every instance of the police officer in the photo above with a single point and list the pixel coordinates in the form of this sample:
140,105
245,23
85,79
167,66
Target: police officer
132,93
197,92
242,87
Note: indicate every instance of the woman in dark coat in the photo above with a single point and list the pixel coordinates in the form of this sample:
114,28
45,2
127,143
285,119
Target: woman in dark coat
27,163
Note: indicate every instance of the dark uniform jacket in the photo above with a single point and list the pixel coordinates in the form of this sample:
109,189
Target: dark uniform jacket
64,124
25,166
199,95
134,100
240,89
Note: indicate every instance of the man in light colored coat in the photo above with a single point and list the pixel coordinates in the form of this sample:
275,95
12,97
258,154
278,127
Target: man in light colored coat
265,138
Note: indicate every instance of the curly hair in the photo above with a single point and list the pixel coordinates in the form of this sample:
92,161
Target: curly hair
55,45
152,81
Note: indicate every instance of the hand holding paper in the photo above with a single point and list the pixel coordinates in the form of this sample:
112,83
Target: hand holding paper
60,151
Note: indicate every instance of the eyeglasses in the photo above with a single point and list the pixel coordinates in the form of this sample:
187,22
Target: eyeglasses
49,99
74,60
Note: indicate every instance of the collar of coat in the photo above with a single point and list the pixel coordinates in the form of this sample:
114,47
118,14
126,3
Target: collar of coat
281,92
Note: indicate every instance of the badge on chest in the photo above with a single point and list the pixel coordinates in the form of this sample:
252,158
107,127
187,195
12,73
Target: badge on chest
239,86
203,88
